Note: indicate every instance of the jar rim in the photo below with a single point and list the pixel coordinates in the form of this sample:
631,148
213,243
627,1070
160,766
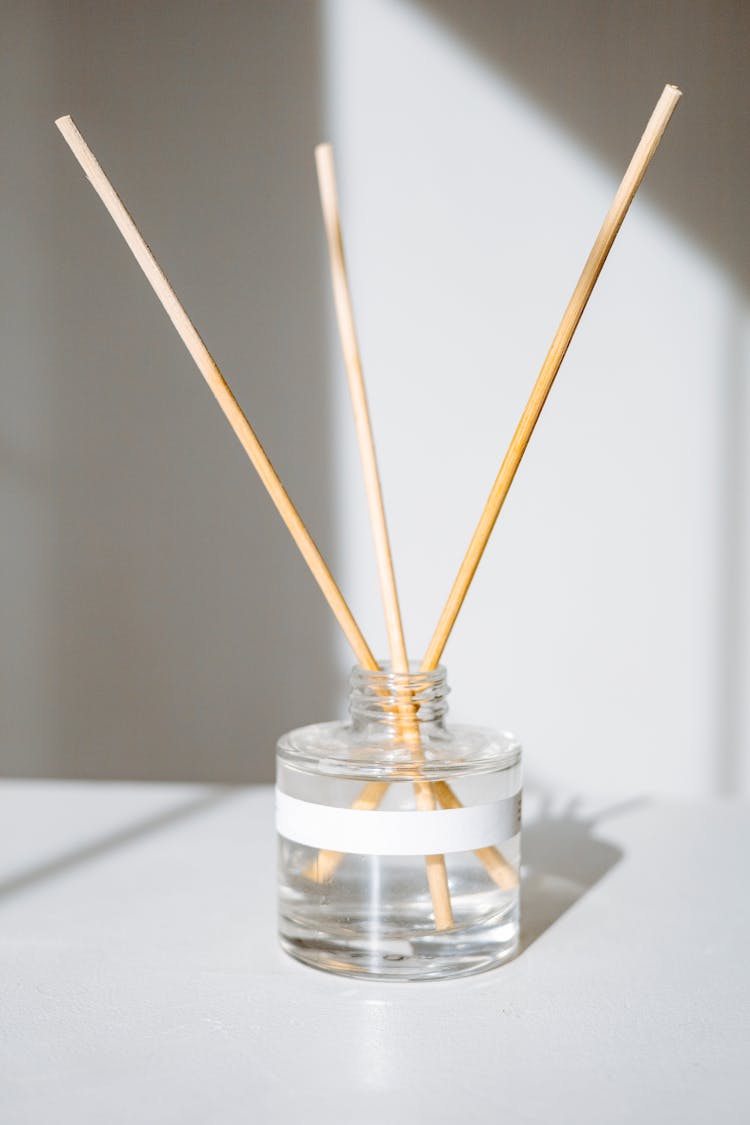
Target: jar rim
384,674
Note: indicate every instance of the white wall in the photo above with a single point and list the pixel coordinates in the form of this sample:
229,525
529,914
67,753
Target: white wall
608,625
155,621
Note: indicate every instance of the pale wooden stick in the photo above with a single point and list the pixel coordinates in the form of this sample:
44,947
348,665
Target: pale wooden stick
425,798
363,425
219,388
492,858
596,259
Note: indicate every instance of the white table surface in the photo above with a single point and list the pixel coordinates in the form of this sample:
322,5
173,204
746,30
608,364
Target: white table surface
141,980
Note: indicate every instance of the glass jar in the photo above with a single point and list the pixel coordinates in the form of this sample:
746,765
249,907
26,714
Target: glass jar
399,837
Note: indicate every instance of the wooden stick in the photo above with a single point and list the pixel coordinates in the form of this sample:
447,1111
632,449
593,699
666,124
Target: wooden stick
219,388
493,860
573,313
425,797
363,425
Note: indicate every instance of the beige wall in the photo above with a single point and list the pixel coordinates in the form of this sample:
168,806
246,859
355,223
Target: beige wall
156,622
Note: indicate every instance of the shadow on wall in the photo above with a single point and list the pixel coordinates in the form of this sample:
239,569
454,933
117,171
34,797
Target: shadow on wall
160,621
598,69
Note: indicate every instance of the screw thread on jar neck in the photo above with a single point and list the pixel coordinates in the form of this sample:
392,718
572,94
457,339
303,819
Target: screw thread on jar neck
380,697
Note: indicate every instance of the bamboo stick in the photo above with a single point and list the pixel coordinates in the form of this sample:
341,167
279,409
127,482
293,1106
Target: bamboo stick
362,422
425,797
631,181
492,858
219,388
222,393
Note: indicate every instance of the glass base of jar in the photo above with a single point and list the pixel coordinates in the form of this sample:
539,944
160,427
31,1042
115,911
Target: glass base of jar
404,953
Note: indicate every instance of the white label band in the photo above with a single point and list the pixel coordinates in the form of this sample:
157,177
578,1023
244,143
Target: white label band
412,832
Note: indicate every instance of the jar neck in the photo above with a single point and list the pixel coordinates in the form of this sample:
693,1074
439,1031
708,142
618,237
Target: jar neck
385,700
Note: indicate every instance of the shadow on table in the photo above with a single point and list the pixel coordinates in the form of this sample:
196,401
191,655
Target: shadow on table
565,854
138,830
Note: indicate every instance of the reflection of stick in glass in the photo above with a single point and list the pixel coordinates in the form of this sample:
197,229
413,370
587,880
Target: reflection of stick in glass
624,196
325,864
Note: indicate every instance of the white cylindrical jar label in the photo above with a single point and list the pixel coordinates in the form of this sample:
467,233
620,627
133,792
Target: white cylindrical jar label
411,832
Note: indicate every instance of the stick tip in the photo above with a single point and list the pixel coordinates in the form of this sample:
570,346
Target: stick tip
324,155
675,91
64,122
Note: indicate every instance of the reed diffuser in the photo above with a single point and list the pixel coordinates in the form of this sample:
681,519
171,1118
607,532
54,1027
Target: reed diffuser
369,884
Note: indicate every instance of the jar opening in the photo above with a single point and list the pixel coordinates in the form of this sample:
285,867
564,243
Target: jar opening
385,697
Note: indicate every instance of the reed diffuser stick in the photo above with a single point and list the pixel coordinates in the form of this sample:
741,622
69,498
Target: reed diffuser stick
642,157
353,364
231,409
492,858
219,388
425,796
